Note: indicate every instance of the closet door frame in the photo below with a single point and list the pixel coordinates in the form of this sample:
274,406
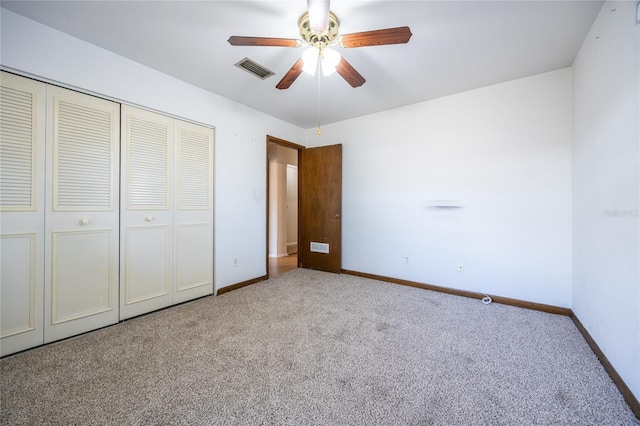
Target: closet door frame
64,263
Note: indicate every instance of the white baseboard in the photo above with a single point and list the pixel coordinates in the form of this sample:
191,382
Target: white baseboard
278,255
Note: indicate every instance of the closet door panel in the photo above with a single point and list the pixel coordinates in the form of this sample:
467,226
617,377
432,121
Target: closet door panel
194,211
147,264
147,217
82,222
21,293
18,268
193,257
22,146
82,282
195,171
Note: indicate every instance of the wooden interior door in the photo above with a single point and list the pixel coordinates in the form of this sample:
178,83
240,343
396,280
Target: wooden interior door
320,174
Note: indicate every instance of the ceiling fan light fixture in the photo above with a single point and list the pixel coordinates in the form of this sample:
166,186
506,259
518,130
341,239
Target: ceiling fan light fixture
330,60
310,60
324,33
318,15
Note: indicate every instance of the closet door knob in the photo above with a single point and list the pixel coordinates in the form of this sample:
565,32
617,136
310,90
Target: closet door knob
148,218
85,221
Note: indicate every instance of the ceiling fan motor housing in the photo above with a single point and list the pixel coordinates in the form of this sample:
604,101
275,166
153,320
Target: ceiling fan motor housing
319,40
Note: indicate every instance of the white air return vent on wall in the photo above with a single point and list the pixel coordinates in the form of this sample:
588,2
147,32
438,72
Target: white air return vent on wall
320,247
254,68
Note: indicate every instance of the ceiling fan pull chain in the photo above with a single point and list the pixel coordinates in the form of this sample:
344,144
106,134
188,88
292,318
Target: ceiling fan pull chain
318,74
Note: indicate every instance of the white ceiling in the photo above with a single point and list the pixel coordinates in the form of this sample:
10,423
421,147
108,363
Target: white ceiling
456,46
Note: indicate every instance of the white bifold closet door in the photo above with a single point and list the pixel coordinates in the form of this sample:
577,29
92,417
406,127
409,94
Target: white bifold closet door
146,216
22,181
167,212
82,213
193,216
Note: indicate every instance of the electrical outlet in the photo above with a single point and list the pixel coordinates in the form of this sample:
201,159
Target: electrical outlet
235,263
460,266
406,260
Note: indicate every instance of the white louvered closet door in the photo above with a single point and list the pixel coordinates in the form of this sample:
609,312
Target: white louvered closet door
194,211
22,145
147,212
82,220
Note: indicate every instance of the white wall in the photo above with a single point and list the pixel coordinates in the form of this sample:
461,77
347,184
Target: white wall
503,152
277,203
606,186
240,132
292,207
279,157
274,181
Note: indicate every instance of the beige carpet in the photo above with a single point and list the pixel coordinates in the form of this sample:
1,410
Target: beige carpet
316,348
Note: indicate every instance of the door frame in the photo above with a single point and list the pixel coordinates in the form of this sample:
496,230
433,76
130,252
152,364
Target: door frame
286,144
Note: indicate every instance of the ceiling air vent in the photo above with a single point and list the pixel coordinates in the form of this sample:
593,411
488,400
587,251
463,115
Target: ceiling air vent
254,68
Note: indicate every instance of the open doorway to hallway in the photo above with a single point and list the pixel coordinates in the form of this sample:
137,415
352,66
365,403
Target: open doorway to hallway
282,207
280,265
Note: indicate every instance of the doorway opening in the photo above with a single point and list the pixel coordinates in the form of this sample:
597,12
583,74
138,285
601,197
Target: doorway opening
282,206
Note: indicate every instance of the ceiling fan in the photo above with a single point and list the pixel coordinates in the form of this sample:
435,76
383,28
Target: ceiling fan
319,29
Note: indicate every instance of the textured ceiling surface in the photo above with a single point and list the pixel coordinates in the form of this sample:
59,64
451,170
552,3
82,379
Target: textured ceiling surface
456,46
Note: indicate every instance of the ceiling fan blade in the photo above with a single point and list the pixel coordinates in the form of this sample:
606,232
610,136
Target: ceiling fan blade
349,73
397,35
291,75
264,41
